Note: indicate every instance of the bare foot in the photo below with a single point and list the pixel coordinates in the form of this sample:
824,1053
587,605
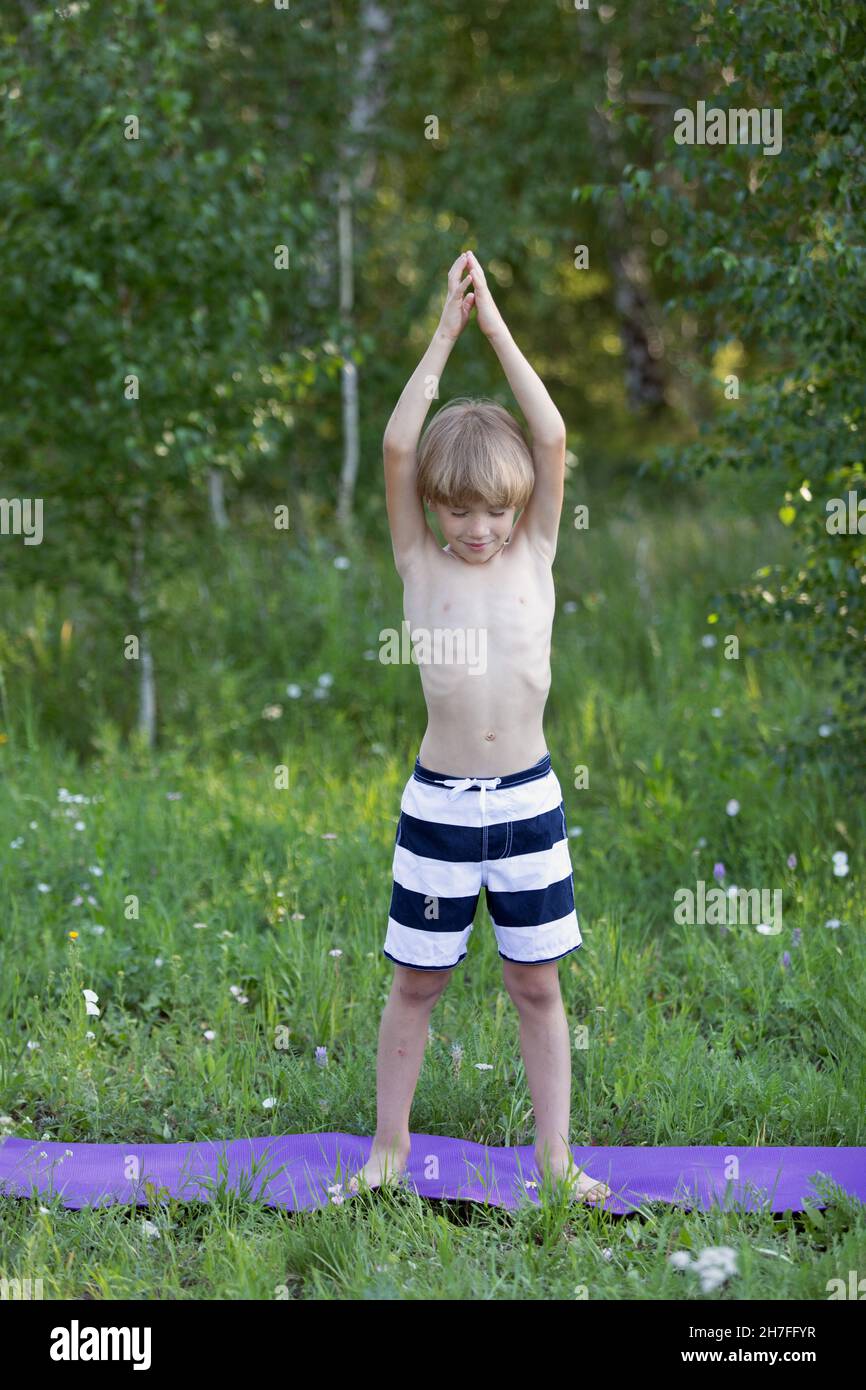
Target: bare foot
381,1167
582,1187
587,1189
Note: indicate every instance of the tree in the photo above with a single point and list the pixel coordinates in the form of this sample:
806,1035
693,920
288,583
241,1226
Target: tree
138,250
770,248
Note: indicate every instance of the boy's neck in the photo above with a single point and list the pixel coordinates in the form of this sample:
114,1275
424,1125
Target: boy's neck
455,556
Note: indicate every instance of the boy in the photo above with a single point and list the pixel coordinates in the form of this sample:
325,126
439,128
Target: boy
495,818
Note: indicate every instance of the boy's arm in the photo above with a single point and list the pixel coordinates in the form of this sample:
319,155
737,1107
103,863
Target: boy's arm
409,529
540,517
406,517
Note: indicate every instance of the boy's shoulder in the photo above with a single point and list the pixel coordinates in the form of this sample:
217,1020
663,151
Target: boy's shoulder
537,553
424,550
432,559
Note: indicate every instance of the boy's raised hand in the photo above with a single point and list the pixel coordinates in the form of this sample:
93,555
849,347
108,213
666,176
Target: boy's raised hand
458,304
489,318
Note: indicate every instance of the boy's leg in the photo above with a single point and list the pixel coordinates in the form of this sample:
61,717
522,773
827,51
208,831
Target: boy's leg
402,1040
545,1044
546,1048
530,897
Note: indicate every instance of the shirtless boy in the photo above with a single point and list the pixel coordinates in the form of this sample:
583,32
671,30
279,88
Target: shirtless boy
495,817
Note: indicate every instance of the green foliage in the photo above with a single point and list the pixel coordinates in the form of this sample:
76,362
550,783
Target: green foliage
769,251
137,241
693,1035
155,257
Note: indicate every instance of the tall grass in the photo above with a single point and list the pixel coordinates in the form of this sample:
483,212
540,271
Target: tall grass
260,910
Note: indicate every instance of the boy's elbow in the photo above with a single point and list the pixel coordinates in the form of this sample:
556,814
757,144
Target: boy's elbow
396,446
553,433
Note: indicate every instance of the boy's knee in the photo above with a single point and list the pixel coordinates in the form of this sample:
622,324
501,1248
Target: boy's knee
420,986
532,985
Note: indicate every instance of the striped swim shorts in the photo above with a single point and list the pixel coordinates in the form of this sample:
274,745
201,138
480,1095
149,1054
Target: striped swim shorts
459,834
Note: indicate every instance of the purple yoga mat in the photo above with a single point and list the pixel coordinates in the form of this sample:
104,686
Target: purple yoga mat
297,1170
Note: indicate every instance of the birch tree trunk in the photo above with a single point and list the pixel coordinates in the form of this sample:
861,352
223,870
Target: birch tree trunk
146,674
216,493
640,325
369,96
349,373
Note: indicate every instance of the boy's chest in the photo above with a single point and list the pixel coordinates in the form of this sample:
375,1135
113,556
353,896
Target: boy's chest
515,598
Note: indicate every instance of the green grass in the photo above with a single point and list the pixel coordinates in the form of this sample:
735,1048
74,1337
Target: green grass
694,1036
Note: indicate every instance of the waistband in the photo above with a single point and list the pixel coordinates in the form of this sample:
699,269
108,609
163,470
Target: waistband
511,779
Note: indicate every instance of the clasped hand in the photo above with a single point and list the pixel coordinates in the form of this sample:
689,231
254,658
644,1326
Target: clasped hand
459,304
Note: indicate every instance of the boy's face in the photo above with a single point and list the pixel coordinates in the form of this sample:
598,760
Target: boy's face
475,533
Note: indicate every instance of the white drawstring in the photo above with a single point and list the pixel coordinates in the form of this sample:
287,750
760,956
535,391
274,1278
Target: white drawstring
460,784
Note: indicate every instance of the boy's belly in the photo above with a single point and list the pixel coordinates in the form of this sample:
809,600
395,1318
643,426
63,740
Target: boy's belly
485,724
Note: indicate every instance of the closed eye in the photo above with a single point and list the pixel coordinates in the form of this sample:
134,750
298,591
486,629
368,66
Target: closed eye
502,513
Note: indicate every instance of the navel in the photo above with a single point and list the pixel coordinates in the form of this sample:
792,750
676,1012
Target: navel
490,735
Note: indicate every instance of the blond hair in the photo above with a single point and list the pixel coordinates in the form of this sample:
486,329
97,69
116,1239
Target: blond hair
473,450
